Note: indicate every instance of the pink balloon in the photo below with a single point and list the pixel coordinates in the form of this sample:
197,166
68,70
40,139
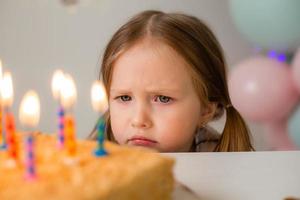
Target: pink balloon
262,89
296,69
278,138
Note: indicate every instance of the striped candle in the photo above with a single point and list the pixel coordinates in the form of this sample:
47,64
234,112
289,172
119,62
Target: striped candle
69,131
30,158
29,116
100,104
1,135
100,151
60,135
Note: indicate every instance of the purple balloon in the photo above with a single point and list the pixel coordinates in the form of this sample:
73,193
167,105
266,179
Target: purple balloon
262,89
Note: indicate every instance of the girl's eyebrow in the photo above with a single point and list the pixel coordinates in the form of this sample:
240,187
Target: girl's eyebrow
169,90
116,90
150,90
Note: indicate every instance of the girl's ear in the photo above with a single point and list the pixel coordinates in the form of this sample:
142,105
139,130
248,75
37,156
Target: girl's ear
207,114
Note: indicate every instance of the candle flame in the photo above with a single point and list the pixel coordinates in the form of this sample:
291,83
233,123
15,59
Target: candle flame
29,113
7,89
1,75
68,92
56,84
1,66
99,97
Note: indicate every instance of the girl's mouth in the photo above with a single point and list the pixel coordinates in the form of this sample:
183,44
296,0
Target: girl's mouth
141,141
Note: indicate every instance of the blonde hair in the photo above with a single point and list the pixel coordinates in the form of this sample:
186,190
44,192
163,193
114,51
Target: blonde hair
196,43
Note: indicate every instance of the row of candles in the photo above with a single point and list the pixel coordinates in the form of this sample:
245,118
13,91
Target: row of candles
64,92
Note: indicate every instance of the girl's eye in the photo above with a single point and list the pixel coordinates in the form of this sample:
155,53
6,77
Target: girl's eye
163,99
125,98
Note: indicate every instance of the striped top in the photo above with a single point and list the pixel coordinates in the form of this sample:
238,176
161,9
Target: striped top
206,140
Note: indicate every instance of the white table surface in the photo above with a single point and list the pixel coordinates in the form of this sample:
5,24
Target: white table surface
240,176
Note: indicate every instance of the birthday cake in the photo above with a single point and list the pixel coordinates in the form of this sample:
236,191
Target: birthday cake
125,173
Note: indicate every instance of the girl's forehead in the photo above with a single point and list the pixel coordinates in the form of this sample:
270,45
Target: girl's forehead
152,64
150,55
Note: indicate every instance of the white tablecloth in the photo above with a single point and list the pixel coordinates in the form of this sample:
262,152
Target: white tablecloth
240,176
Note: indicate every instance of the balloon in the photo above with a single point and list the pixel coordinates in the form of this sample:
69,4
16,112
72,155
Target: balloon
294,127
277,136
296,69
262,89
272,24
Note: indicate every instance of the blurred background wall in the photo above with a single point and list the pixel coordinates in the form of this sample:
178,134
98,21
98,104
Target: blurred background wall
39,36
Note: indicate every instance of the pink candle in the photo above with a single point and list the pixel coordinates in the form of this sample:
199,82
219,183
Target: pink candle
29,117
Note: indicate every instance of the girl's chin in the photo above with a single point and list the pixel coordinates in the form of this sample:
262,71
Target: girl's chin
146,147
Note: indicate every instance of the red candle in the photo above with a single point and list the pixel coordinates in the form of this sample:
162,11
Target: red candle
2,136
12,146
7,100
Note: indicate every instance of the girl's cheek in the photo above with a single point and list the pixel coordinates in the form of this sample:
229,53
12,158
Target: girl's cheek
118,125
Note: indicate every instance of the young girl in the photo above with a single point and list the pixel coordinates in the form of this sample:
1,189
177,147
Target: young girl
166,79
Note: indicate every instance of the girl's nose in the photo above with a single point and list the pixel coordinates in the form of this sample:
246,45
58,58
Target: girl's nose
141,118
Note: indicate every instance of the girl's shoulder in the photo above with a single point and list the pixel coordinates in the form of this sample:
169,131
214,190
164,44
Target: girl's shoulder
206,139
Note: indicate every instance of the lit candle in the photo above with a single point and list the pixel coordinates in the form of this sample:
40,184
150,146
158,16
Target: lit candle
57,81
100,104
2,133
29,116
7,100
68,98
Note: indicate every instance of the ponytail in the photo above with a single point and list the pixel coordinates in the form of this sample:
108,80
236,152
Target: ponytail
236,135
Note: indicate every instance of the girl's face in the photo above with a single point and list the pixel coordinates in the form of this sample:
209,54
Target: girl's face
152,99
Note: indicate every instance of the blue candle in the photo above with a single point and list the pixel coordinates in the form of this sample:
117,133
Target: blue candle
100,151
